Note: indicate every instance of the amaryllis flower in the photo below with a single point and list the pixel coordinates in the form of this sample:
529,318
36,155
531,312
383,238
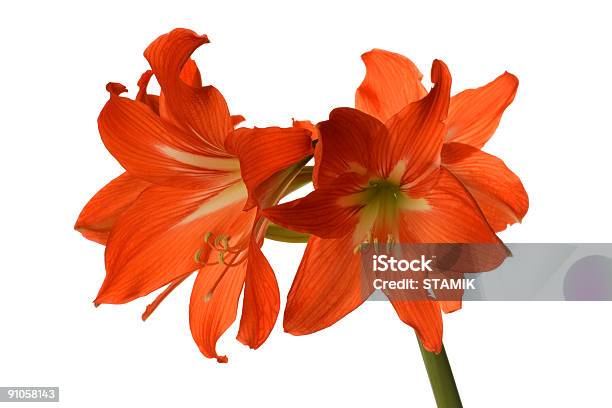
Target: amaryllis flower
101,212
189,198
392,81
377,182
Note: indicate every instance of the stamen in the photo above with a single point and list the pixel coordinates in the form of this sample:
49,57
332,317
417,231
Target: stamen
207,237
173,285
196,257
221,256
221,238
390,242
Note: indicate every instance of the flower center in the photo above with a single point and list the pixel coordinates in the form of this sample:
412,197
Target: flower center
379,218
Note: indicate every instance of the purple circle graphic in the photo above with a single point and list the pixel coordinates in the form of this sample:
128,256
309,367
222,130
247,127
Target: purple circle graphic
589,278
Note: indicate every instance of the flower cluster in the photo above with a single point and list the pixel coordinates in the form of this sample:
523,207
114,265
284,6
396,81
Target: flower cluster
200,193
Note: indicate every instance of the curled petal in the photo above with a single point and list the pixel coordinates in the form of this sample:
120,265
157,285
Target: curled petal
346,141
190,74
416,132
497,190
237,119
474,114
392,81
202,110
100,214
152,101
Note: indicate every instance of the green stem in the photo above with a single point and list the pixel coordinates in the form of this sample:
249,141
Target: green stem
304,177
441,378
278,233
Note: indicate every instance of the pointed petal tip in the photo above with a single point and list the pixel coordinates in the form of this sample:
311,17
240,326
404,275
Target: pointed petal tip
115,88
202,38
145,315
368,54
145,78
381,52
222,359
510,76
245,341
438,70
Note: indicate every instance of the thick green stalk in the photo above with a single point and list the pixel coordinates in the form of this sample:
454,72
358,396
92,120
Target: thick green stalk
441,378
278,233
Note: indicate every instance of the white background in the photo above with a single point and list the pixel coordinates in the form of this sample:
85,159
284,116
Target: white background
274,62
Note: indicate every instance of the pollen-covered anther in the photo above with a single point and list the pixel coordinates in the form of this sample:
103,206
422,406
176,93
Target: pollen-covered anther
222,242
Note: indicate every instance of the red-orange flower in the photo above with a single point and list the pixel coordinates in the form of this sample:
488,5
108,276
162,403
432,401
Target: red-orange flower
392,81
377,182
189,198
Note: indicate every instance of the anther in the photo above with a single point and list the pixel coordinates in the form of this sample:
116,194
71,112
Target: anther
197,255
207,237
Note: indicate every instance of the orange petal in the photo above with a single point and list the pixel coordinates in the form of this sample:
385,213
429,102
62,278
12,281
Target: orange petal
266,151
213,305
202,110
99,215
190,74
425,318
453,216
261,301
392,81
152,101
416,132
328,285
474,114
325,212
237,119
155,151
156,239
308,125
316,138
497,190
346,141
449,306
